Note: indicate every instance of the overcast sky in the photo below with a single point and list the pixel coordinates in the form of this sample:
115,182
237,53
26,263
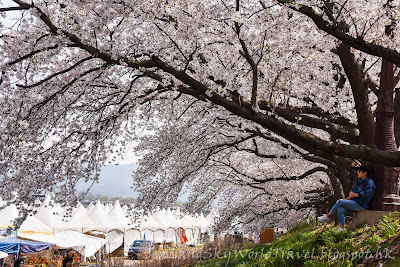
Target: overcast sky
115,181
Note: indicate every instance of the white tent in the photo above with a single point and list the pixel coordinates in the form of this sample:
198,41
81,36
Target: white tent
98,215
203,222
172,226
184,222
170,219
116,236
192,229
159,232
177,213
159,219
151,230
90,207
81,222
33,224
117,216
190,220
8,214
150,223
46,201
125,209
107,208
113,228
48,217
80,207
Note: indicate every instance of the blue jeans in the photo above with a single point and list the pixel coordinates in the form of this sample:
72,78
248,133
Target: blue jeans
343,207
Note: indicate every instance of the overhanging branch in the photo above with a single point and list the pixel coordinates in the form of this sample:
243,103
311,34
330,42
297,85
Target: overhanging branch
358,43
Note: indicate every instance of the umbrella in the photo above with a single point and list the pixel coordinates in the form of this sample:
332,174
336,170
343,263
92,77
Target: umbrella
3,255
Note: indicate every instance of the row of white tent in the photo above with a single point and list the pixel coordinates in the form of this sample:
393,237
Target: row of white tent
118,225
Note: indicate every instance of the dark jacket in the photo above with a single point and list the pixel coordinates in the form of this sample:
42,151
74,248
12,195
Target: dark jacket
365,189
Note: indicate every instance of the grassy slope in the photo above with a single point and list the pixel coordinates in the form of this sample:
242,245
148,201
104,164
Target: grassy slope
315,244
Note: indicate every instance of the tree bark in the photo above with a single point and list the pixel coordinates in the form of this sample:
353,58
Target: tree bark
397,117
359,86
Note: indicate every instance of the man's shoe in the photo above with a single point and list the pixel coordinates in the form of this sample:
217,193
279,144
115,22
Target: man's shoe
323,219
341,229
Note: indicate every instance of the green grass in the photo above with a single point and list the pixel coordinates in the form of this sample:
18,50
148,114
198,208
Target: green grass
393,263
317,245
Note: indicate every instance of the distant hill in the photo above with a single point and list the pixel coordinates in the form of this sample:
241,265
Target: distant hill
115,181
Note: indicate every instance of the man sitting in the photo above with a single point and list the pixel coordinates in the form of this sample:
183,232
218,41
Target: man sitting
359,198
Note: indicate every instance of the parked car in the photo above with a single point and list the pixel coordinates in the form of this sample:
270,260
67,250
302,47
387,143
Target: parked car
140,248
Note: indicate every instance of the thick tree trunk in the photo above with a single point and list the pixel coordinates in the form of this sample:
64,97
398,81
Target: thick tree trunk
397,118
359,86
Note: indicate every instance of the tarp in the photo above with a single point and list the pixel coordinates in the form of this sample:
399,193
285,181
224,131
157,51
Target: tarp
115,239
9,248
53,239
14,245
85,244
92,243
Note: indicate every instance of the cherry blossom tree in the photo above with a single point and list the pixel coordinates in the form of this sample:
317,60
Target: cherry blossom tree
264,105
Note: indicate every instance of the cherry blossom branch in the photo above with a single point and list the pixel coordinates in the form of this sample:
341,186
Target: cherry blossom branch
32,54
56,74
358,43
348,134
14,8
244,110
245,53
281,178
62,90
